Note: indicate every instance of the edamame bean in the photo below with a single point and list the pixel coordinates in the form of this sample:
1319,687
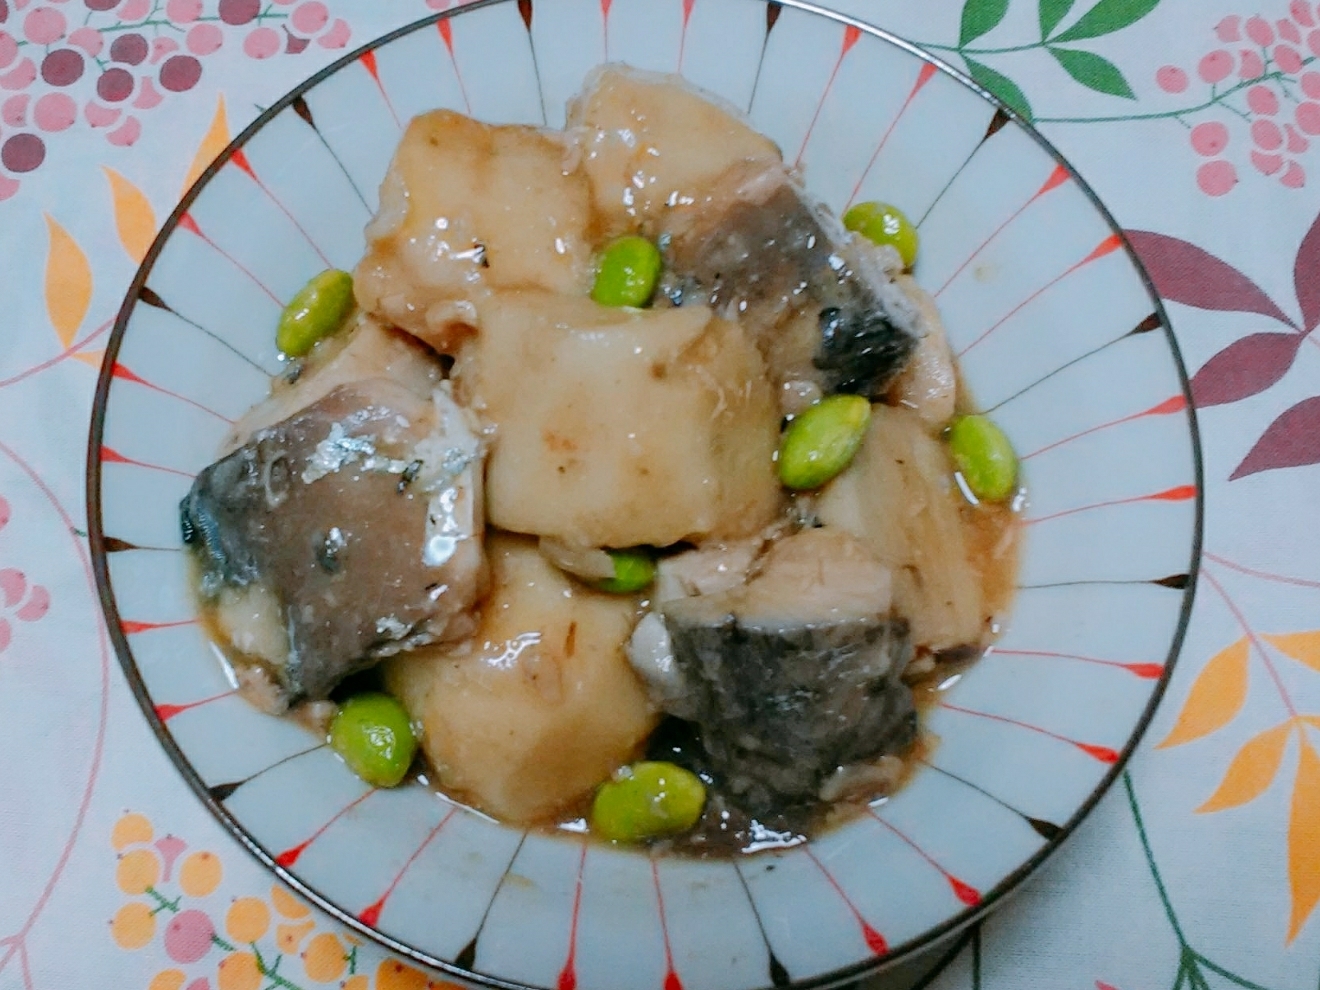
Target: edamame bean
822,441
315,312
646,801
372,733
984,457
627,272
633,571
884,224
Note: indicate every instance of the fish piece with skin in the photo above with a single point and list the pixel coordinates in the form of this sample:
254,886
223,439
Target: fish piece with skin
617,428
467,209
539,705
821,303
794,674
354,527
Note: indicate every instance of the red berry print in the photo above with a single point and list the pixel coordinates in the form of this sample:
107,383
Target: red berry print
1216,66
1308,117
1263,101
1216,178
62,67
180,73
1266,164
203,39
55,112
22,153
1288,59
1296,143
1259,31
1209,138
130,49
115,85
88,40
1171,79
188,936
238,12
1267,135
262,43
310,17
44,26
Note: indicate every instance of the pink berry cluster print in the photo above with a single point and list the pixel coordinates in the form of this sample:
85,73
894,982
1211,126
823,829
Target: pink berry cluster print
104,64
20,600
1261,106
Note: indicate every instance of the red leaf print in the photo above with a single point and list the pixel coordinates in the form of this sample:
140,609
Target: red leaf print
1292,440
1191,275
1245,368
1306,276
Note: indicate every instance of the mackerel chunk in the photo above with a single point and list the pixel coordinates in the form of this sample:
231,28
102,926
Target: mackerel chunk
822,303
797,673
346,533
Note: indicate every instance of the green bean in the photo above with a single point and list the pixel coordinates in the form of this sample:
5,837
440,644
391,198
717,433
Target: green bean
316,311
627,272
984,458
647,801
885,224
633,571
822,441
374,736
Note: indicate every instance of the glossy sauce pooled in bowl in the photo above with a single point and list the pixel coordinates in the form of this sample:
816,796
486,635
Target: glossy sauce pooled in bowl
723,531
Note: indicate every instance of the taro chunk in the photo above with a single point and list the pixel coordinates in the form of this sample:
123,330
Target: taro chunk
615,427
467,208
898,497
652,145
795,674
539,706
348,532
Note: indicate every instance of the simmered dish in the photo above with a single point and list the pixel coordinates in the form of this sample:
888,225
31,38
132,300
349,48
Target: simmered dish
621,488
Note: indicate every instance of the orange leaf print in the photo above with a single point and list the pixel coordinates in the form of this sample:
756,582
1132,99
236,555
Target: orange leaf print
1304,840
134,218
92,359
1252,770
217,137
1217,695
68,283
1303,646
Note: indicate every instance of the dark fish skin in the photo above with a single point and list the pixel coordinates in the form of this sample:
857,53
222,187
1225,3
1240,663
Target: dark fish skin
781,708
341,550
769,251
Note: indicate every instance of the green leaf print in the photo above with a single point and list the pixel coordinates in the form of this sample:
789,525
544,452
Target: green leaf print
1093,72
980,17
1000,85
1051,13
1108,16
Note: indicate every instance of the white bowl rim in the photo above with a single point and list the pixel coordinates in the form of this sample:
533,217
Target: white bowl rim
905,952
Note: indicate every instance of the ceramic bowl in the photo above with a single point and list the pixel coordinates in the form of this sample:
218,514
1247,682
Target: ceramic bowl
1059,334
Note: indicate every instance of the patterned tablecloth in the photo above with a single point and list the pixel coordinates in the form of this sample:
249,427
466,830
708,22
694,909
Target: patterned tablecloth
1194,120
